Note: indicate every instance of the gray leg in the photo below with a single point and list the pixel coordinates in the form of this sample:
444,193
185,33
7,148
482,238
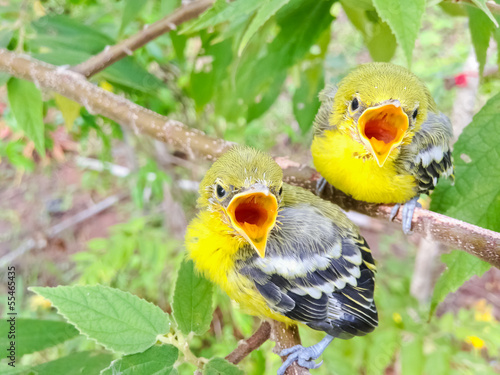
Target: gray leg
394,211
408,210
320,186
304,356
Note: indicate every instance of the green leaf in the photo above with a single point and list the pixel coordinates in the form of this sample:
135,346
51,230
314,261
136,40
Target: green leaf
475,197
74,364
192,305
26,103
131,10
157,360
5,369
377,34
65,41
57,32
5,37
405,18
118,320
34,335
168,6
265,12
223,12
362,5
70,110
382,43
219,366
258,107
312,80
461,266
204,83
381,351
480,31
301,25
439,361
481,4
14,151
412,356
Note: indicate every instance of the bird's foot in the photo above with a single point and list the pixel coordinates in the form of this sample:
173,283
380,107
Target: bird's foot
320,186
304,356
394,211
408,210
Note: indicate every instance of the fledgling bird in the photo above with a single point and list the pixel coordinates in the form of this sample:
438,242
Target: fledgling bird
379,138
281,252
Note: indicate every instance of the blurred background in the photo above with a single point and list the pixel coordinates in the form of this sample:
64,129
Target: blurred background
107,205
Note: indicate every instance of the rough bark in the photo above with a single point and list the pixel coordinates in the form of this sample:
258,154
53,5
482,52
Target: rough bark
480,242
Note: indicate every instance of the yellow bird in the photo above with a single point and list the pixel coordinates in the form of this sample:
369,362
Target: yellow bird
281,252
379,138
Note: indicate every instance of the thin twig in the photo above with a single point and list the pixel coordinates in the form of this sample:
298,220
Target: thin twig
245,347
492,6
480,242
114,53
286,337
57,229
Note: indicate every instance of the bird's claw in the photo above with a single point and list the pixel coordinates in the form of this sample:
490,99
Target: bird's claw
320,186
408,210
394,211
304,356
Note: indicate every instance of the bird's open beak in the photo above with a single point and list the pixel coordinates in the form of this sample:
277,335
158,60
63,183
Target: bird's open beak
253,214
382,129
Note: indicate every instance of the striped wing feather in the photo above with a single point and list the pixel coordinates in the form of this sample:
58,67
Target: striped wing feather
432,155
335,296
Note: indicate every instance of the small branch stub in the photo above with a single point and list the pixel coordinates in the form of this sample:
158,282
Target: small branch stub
245,347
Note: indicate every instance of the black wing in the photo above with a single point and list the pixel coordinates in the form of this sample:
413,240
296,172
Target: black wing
330,289
432,155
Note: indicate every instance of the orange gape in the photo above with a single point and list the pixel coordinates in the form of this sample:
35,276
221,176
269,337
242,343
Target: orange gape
253,215
382,129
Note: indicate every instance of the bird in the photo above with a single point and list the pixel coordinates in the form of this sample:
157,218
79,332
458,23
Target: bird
379,138
281,252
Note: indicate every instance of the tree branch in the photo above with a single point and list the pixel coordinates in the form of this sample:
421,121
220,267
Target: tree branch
245,347
286,337
480,242
112,54
492,6
483,243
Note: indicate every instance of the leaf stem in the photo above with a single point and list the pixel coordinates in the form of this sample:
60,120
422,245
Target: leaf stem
180,342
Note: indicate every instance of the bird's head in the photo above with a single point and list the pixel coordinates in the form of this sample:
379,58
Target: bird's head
245,187
381,106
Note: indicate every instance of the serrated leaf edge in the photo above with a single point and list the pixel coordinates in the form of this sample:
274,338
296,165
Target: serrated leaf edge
33,289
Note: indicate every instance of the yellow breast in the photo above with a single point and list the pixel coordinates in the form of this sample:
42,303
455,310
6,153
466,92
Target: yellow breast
213,249
334,156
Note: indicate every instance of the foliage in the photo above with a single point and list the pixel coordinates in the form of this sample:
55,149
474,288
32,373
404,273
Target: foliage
26,103
126,324
192,306
120,260
474,197
247,71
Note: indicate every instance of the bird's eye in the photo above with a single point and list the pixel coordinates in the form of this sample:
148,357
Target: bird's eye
415,114
281,191
354,104
220,191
